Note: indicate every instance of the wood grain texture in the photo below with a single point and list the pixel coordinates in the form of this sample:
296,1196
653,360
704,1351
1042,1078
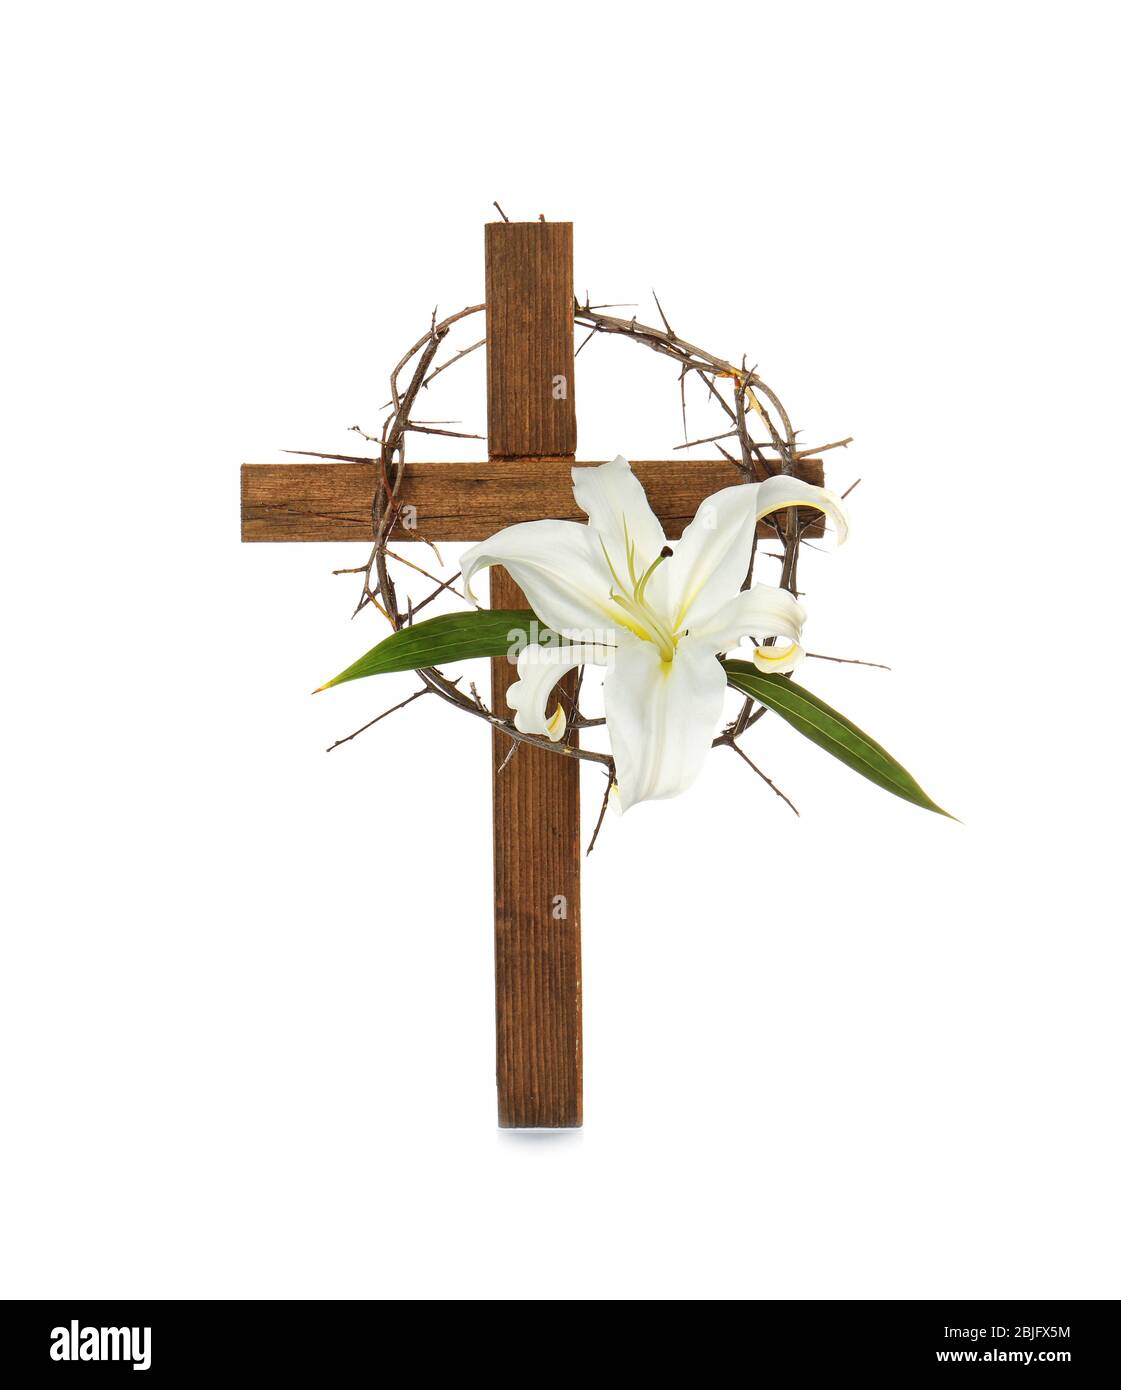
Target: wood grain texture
536,794
462,501
539,1047
529,339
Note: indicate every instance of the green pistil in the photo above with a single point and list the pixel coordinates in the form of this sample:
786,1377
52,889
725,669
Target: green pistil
645,623
642,583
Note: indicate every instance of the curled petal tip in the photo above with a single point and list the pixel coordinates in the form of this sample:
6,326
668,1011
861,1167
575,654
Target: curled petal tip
778,659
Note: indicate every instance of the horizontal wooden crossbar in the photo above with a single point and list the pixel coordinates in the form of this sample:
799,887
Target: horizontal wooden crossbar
463,501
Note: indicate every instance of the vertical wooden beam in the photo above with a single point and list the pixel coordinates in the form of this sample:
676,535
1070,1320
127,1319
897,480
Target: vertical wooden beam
531,405
531,412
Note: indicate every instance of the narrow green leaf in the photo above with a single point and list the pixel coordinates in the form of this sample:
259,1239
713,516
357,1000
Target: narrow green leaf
810,715
450,637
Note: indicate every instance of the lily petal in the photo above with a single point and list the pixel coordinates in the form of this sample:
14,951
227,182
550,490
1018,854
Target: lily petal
618,510
759,612
539,670
711,558
782,491
778,660
560,569
661,717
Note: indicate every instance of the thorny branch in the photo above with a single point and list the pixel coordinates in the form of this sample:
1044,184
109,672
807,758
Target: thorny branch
602,809
736,391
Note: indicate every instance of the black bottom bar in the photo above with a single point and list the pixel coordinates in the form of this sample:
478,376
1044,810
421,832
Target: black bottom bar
332,1342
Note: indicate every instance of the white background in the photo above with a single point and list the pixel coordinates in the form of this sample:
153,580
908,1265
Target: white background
245,1002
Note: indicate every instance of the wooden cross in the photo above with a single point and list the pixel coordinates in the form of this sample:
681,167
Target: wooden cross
531,440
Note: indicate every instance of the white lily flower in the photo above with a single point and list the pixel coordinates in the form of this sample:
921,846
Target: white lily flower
654,615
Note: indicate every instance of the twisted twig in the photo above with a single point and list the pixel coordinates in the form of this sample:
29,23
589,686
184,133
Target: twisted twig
758,459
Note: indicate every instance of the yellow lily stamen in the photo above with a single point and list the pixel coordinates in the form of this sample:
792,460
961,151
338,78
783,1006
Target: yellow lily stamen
640,618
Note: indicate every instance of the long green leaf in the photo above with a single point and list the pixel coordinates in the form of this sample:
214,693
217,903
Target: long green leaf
494,632
810,715
450,637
